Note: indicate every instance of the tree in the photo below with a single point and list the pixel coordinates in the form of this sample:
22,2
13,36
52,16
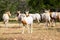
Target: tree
38,5
8,5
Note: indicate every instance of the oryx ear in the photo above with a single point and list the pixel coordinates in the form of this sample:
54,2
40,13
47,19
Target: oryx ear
9,13
18,11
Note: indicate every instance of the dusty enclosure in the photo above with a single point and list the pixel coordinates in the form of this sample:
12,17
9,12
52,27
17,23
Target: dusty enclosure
40,32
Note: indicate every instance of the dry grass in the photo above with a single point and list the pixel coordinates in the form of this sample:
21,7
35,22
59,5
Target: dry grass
13,32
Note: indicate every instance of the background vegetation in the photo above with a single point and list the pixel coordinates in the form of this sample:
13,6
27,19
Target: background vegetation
31,5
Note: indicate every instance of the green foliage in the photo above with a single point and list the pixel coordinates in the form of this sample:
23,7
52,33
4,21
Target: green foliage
8,5
31,5
38,5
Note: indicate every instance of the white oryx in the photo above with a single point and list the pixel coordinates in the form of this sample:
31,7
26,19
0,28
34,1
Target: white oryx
19,15
46,17
36,17
59,15
43,16
27,22
6,17
54,16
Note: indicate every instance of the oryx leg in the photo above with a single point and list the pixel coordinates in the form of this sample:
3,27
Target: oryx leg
46,23
31,28
6,23
38,20
53,22
23,28
28,28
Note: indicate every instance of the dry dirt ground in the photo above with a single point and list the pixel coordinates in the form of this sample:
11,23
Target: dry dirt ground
40,32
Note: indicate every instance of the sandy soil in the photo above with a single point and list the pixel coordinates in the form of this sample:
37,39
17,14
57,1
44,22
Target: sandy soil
40,32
